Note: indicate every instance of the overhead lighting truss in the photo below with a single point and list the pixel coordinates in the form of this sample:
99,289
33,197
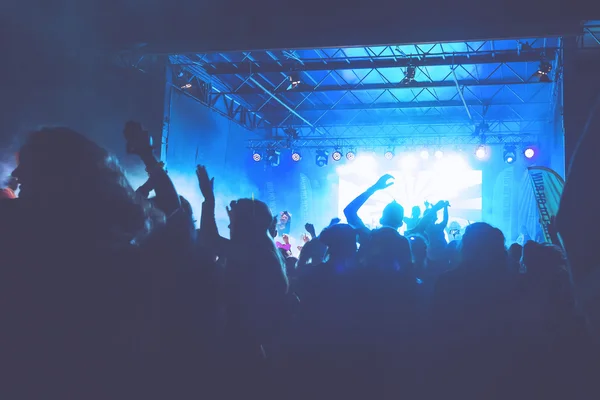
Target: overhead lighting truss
377,62
379,142
192,81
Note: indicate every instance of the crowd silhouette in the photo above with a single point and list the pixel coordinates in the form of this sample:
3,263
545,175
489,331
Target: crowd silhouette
107,293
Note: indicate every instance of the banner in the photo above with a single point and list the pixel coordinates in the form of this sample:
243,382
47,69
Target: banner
547,188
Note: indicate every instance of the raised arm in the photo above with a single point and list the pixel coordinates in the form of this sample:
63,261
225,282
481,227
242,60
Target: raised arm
428,218
209,234
444,222
139,143
351,211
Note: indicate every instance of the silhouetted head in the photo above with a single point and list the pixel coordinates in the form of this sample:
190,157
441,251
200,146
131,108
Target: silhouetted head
483,245
416,212
540,258
392,216
340,240
248,219
515,251
60,169
387,249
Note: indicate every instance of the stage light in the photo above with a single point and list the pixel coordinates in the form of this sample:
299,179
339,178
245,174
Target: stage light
296,156
438,154
336,155
424,154
481,152
322,158
388,155
294,78
256,156
186,86
350,156
543,71
273,157
510,155
529,152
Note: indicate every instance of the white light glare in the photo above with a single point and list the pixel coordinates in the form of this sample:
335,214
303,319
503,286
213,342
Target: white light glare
408,162
529,153
438,154
481,152
424,154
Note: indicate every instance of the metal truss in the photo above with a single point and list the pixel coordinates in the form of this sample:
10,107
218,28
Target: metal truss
341,143
341,62
188,80
591,36
416,104
306,88
402,130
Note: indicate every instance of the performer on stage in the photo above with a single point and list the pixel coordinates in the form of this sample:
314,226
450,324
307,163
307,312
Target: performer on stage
284,224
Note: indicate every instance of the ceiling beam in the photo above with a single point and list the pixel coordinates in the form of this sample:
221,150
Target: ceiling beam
401,120
305,88
417,104
386,142
334,64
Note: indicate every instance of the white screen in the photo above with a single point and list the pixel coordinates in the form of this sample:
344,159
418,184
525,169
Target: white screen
450,179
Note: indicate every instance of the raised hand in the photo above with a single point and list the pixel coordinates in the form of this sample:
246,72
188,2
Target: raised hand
310,228
305,238
206,184
286,239
384,182
334,221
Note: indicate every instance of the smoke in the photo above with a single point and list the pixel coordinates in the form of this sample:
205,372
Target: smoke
228,186
7,165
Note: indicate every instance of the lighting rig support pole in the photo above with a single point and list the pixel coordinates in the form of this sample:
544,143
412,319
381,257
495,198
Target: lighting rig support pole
460,93
164,141
277,99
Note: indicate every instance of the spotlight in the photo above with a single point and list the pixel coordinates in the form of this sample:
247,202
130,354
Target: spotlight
296,156
529,152
350,155
388,155
481,152
438,154
321,158
186,86
510,154
256,156
336,155
424,154
294,78
543,71
273,157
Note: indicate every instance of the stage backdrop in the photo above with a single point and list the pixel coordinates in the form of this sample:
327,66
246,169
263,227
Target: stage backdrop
198,135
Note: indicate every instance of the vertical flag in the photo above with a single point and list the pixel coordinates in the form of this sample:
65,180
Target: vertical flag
547,188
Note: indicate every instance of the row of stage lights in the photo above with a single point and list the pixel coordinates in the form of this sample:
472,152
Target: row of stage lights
272,157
